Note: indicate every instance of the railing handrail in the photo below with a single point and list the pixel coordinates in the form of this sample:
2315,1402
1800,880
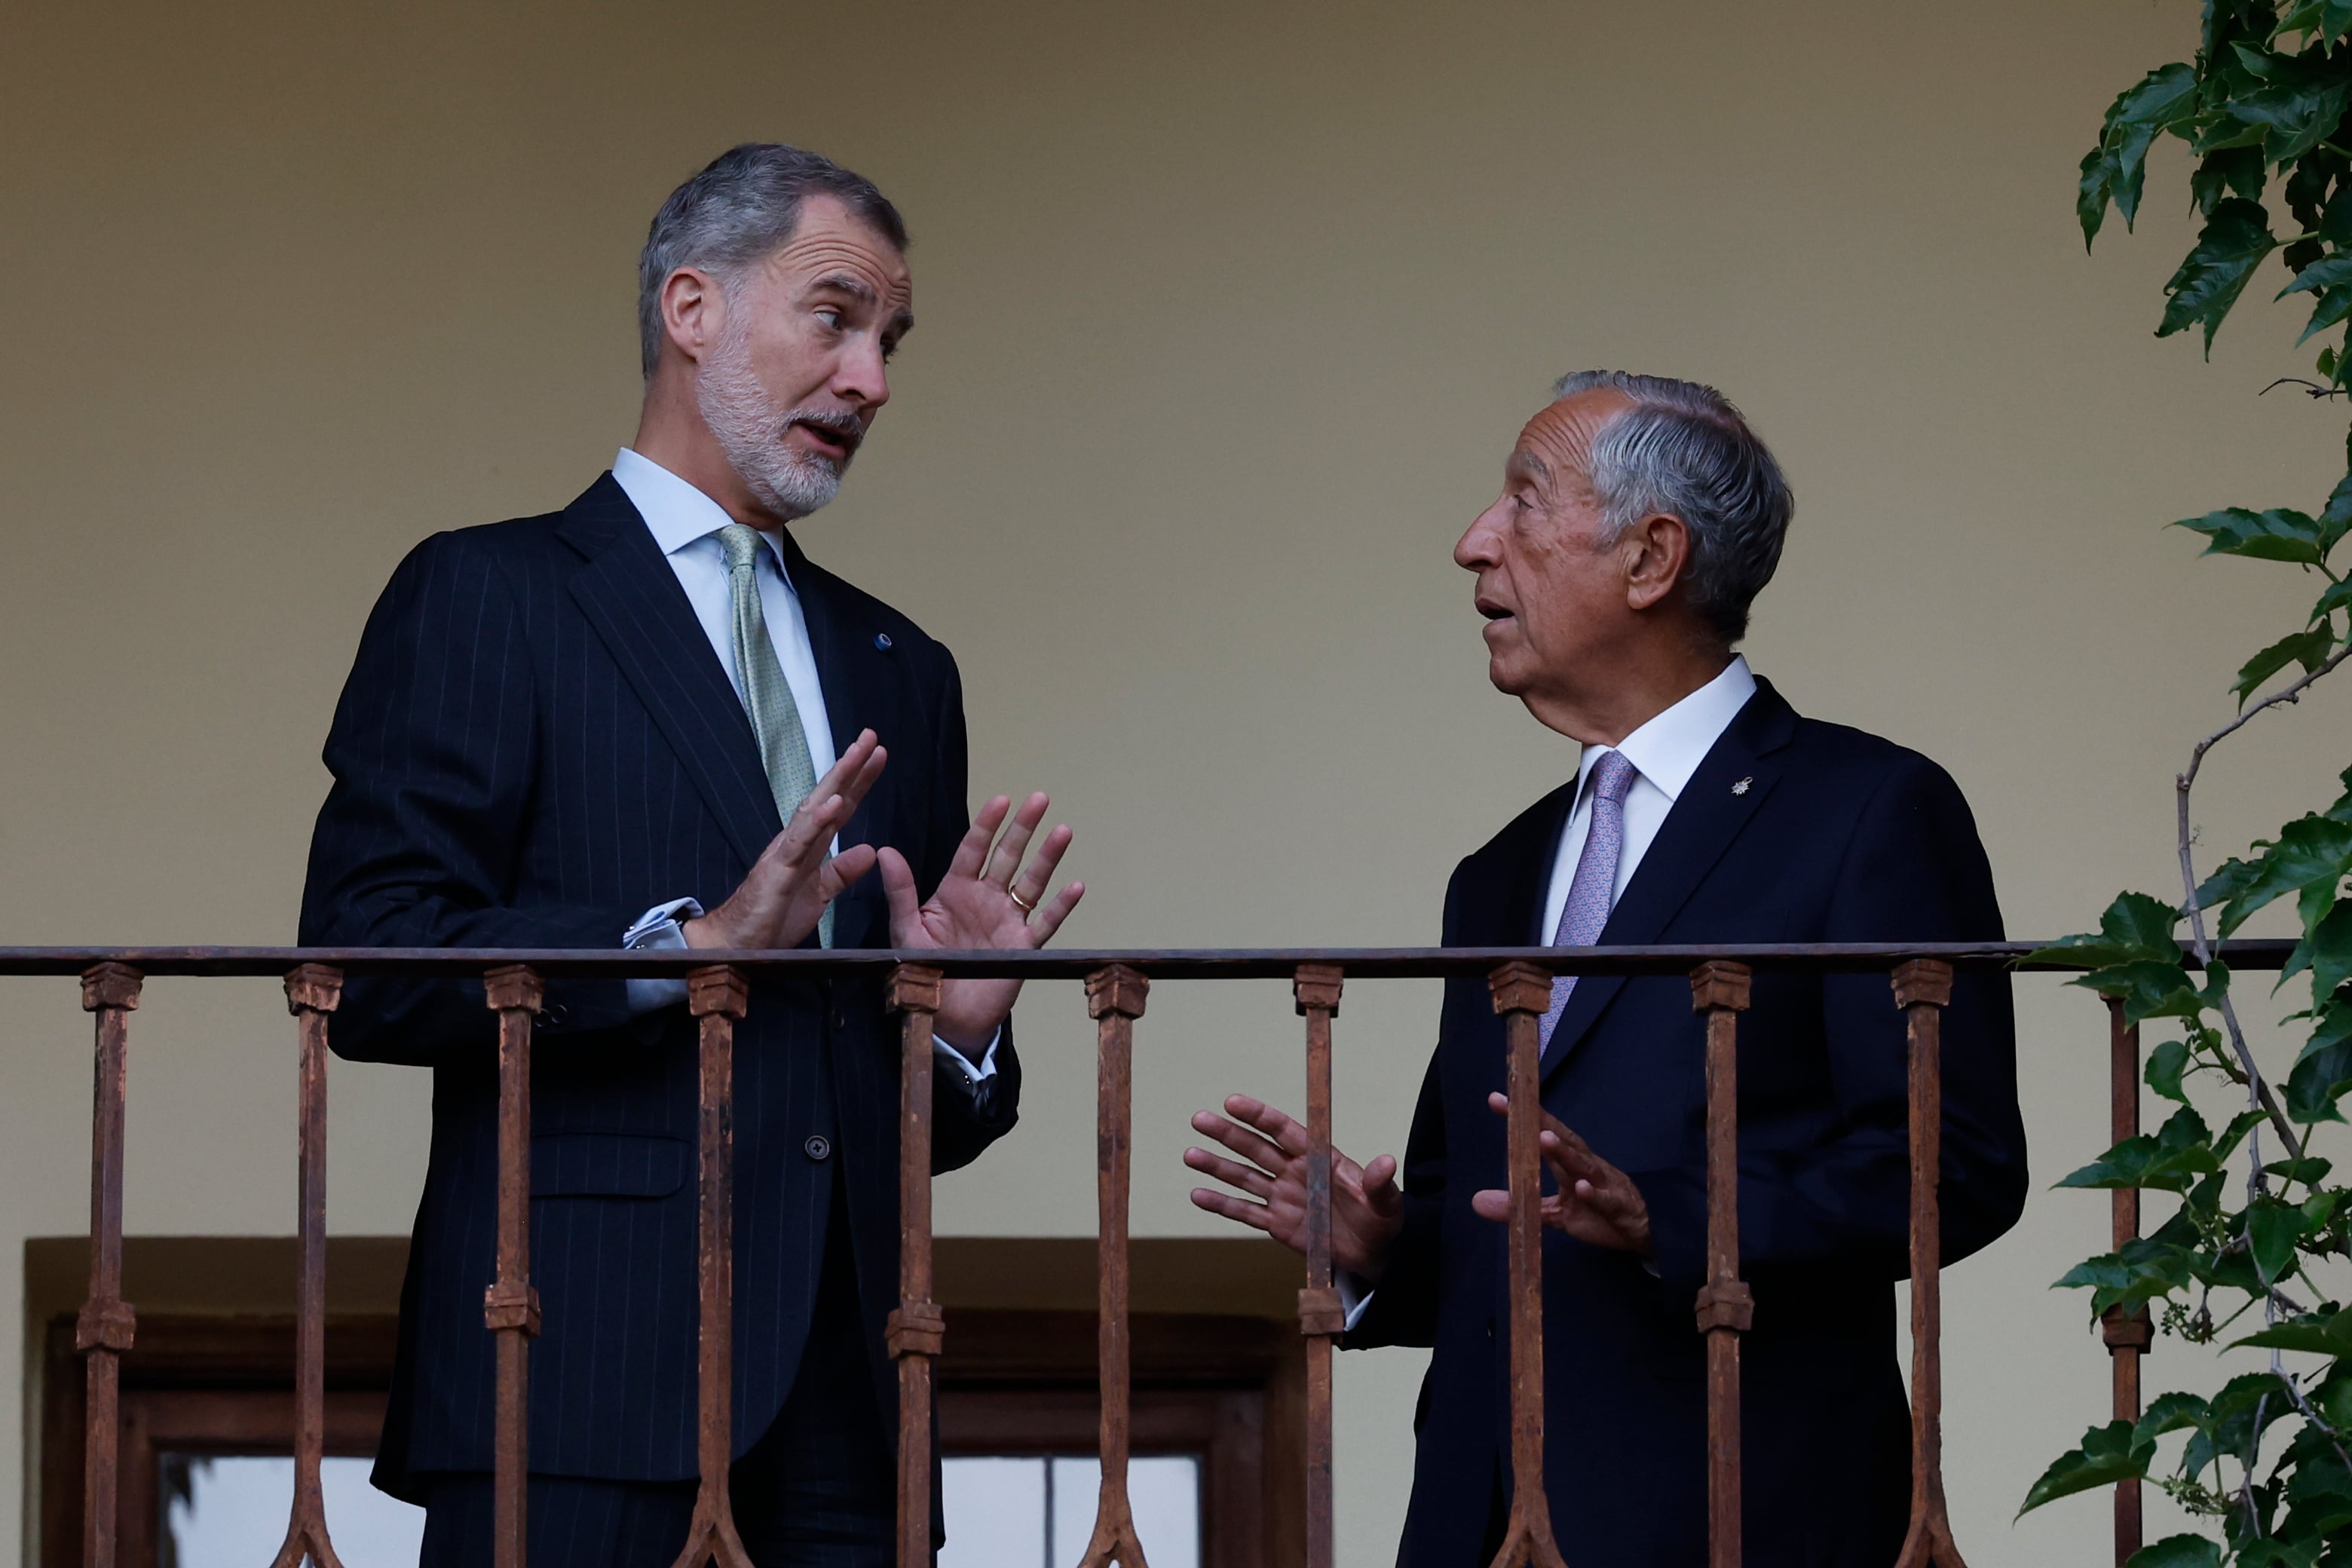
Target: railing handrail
1076,963
1520,982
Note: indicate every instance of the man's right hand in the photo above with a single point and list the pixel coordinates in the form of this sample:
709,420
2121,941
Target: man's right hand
1366,1207
780,902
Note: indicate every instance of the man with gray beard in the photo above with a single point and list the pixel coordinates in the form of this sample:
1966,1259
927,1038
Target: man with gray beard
650,721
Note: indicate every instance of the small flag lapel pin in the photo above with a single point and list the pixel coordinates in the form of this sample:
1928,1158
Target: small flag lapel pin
1742,787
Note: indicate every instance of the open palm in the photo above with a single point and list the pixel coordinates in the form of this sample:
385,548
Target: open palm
987,900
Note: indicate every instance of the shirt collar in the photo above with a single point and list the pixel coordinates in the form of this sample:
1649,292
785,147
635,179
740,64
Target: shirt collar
1669,748
676,513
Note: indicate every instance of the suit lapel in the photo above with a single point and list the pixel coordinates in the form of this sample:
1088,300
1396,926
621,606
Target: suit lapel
1523,871
633,599
854,699
1706,818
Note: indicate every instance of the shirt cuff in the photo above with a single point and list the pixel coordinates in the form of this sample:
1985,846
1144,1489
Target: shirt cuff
663,926
1355,1295
971,1076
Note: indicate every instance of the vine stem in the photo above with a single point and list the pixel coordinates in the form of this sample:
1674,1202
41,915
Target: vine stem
2258,1087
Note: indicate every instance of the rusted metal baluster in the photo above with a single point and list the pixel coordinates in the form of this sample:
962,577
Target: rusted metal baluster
2128,1335
1719,993
312,991
1316,987
917,1329
1522,992
510,1306
1115,1000
717,995
1922,989
104,1330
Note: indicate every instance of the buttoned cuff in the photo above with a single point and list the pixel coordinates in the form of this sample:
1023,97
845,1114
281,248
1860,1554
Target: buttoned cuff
663,926
962,1068
1355,1295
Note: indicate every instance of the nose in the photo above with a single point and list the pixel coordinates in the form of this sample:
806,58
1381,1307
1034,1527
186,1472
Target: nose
862,378
1479,546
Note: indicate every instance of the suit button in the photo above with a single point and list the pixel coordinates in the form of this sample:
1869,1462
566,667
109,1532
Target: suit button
817,1147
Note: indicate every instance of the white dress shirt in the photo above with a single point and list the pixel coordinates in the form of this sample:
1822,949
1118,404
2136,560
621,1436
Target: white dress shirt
685,524
1664,753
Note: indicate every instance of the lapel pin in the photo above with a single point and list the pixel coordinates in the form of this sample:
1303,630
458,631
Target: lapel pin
1742,787
882,641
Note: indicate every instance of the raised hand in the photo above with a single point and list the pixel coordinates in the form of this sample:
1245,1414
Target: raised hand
1596,1202
987,900
1366,1207
787,889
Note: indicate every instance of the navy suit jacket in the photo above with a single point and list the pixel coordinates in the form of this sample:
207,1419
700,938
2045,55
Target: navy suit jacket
536,744
1839,837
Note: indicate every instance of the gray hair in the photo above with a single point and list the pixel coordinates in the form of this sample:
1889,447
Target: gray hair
1683,448
744,205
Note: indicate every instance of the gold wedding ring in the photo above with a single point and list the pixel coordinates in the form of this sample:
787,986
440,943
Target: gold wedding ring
1023,905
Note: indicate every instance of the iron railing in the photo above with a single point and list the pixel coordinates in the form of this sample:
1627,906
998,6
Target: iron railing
1116,983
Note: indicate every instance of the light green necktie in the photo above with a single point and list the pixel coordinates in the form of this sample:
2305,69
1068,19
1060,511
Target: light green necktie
767,696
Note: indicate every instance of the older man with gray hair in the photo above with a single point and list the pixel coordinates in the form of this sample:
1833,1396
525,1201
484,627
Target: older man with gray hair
649,719
1639,519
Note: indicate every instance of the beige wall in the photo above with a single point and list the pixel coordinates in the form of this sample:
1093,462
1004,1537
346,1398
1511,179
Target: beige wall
1229,313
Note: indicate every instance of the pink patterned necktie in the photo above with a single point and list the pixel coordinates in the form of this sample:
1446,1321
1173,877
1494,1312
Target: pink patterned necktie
1595,886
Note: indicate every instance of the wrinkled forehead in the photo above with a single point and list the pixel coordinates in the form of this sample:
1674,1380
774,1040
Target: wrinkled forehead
832,248
1556,444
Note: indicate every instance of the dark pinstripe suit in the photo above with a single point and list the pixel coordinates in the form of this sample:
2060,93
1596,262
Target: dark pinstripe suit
536,744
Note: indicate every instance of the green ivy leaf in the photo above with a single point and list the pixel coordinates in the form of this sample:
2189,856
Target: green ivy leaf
2178,1552
2170,1413
2320,1078
2232,243
2170,1160
2321,1334
2232,1135
2234,171
2334,19
2335,226
2325,273
2279,534
2092,193
2310,850
2143,1270
2308,648
2165,1065
2334,305
2272,1228
2107,1455
2309,1170
2148,989
2337,597
2297,109
2325,951
2135,927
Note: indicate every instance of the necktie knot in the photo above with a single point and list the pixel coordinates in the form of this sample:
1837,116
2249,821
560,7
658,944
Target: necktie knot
1612,776
741,542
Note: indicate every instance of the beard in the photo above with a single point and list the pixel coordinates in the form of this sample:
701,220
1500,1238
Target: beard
751,430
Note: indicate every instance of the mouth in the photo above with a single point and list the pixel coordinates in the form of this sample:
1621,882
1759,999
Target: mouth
833,437
1493,611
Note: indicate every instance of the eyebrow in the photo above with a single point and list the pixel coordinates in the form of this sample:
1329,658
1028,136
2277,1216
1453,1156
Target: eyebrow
1532,464
857,289
848,283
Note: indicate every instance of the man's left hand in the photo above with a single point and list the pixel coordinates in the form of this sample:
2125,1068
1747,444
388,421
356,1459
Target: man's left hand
1597,1203
988,899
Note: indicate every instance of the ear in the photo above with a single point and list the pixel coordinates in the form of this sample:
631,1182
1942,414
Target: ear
693,311
1656,552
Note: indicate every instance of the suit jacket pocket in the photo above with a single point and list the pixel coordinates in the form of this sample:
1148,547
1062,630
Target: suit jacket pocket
608,1166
